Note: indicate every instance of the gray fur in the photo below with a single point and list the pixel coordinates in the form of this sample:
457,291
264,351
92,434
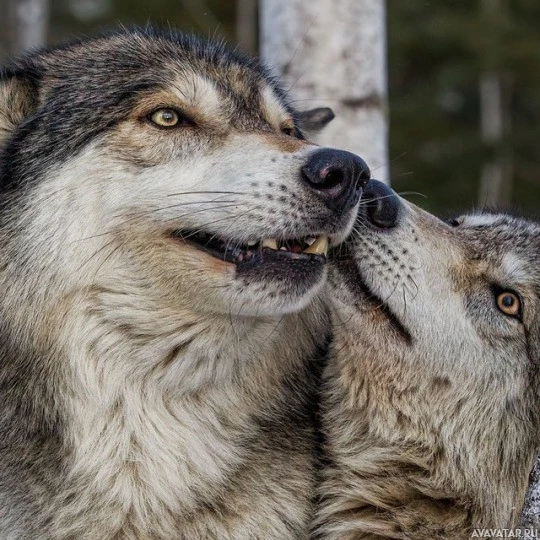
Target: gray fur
431,397
148,389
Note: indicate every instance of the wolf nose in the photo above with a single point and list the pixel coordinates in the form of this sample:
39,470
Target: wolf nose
382,204
337,177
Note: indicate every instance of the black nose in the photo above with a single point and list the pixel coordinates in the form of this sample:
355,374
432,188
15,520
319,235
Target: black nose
337,177
381,204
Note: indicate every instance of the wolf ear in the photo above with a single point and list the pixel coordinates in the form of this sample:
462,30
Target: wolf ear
18,98
313,121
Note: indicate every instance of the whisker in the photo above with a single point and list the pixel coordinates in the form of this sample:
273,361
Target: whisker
364,202
388,162
273,331
218,207
401,193
207,192
105,246
223,204
212,223
162,208
113,251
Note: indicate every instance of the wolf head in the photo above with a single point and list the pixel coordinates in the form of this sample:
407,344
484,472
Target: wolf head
174,161
440,324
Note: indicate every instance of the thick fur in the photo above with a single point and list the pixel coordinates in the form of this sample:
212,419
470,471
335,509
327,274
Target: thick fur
431,395
148,389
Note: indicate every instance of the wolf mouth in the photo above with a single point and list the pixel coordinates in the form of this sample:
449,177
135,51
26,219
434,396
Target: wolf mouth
357,284
303,249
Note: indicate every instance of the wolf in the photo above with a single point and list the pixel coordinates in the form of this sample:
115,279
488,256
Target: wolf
164,225
430,400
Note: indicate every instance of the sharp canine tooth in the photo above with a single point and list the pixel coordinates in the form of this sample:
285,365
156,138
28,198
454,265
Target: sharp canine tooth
310,241
319,247
272,244
251,243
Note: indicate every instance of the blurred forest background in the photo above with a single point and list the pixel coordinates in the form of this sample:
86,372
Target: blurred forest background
463,77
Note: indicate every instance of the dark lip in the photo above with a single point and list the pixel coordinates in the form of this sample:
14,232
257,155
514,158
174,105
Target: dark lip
227,251
296,264
359,288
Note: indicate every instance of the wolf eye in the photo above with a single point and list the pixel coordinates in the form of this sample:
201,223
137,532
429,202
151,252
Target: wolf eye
167,118
454,222
289,131
509,303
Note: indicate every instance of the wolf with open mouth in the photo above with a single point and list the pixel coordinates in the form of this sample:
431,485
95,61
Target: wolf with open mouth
431,408
163,225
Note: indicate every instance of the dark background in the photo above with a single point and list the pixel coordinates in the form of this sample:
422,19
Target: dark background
437,53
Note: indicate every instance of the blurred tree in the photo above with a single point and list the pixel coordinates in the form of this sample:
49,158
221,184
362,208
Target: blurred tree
496,176
333,53
209,18
28,24
246,25
437,53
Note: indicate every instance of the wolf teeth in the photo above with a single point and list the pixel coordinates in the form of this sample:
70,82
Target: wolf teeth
271,243
319,247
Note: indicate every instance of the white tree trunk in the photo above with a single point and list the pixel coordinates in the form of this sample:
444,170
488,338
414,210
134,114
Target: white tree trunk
28,24
496,177
333,53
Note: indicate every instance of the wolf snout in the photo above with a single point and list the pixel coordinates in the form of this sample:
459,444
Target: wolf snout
337,177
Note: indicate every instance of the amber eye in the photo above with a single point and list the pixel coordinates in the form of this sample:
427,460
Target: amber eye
509,303
166,118
289,131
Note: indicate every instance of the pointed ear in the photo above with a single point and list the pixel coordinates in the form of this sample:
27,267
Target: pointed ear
18,98
313,121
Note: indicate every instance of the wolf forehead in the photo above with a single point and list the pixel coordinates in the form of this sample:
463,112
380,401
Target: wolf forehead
106,71
68,95
512,241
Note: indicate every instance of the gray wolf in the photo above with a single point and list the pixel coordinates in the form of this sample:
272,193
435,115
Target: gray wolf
431,394
163,231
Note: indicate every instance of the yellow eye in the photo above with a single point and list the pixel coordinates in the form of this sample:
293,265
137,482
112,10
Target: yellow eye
165,118
509,303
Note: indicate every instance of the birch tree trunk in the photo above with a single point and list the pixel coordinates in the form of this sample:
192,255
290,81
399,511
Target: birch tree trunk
333,53
496,177
28,22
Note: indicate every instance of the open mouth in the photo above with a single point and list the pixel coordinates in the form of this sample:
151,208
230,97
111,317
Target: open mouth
228,250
